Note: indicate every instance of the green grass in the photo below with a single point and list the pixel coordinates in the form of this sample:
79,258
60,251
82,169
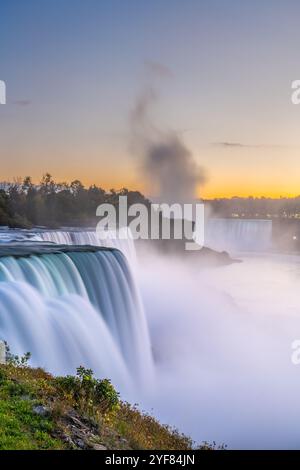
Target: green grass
120,426
20,427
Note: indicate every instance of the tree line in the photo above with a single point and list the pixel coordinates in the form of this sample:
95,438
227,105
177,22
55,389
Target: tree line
24,204
52,204
255,207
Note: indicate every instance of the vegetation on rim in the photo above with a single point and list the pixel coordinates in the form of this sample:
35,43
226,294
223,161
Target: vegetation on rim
52,204
39,411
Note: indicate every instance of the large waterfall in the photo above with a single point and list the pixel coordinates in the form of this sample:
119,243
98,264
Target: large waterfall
69,301
73,305
238,234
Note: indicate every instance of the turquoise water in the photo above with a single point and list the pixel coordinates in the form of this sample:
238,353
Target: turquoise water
43,279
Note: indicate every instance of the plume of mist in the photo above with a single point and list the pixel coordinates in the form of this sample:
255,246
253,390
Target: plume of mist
167,165
222,346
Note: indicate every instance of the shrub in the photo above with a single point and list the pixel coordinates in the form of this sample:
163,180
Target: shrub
14,360
88,392
106,394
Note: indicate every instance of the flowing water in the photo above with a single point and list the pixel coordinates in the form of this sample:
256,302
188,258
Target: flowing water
222,341
220,337
48,297
89,237
238,235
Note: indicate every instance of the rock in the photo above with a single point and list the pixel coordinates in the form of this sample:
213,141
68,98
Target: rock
78,423
67,439
80,433
2,353
41,410
98,447
80,443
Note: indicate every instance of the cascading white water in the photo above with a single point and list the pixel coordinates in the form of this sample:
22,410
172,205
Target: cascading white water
238,234
18,236
102,282
121,240
61,333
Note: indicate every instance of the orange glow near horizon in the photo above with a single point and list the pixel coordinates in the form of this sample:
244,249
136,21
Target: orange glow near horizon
224,181
209,191
223,191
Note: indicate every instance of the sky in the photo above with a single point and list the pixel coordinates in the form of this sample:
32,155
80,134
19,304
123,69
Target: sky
74,69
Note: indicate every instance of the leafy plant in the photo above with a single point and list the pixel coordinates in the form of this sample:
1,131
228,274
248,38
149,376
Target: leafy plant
89,392
15,360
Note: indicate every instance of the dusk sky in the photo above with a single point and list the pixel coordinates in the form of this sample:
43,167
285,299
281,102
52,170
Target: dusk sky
73,71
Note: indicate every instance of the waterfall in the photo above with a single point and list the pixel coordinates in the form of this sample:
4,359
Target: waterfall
75,304
122,240
238,234
61,333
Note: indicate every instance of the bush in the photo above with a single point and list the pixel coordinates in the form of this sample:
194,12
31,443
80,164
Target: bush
88,392
14,360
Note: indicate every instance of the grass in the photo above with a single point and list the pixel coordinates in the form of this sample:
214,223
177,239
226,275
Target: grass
75,419
20,427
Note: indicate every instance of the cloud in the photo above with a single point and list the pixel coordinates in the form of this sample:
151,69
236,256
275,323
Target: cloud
231,144
22,103
158,69
227,144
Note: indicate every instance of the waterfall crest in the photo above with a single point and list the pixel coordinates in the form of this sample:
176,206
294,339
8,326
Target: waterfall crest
238,234
121,240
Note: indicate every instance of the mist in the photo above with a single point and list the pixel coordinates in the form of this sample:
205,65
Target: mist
222,346
221,337
166,164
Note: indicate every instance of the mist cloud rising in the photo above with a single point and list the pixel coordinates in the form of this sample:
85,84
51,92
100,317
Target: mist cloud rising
222,346
166,163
